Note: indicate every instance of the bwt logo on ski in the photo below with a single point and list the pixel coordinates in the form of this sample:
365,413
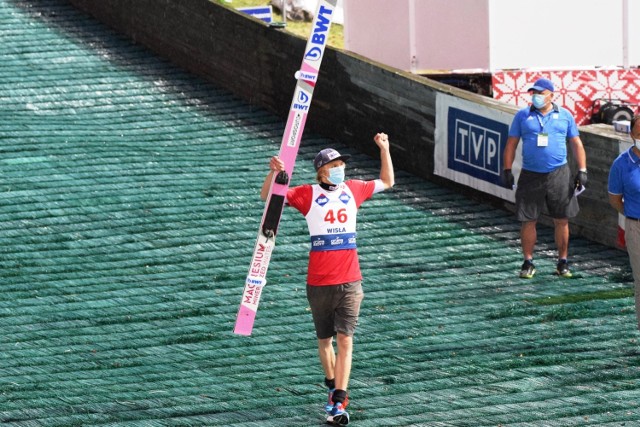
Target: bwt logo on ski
307,76
302,101
475,145
319,36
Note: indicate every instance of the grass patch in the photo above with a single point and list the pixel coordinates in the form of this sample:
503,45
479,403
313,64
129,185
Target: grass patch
513,310
588,296
566,313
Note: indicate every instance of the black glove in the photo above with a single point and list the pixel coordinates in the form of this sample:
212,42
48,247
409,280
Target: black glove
581,179
507,178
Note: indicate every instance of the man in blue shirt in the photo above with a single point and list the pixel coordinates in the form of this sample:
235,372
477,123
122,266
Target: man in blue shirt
624,196
545,184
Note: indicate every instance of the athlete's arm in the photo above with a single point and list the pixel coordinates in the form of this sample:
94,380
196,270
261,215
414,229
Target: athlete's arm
275,165
387,175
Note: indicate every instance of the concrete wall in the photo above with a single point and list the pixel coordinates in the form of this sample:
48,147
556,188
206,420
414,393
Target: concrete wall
354,98
597,219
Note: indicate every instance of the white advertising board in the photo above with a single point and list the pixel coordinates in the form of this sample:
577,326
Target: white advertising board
489,35
469,143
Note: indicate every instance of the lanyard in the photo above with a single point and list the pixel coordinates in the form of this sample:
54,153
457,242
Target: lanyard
538,115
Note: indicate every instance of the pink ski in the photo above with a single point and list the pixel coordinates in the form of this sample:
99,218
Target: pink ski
265,243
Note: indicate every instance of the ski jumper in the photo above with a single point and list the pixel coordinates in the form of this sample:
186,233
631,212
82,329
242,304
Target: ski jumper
331,218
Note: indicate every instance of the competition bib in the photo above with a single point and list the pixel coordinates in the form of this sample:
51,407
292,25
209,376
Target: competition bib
332,219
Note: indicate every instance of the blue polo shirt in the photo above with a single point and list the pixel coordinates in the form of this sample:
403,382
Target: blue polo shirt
558,124
624,179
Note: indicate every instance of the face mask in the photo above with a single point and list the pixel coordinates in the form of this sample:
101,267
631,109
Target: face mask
636,142
539,100
336,175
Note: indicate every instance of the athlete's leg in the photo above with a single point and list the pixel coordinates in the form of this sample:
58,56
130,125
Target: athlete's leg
327,356
343,361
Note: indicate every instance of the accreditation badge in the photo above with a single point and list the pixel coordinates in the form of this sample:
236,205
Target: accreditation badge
543,140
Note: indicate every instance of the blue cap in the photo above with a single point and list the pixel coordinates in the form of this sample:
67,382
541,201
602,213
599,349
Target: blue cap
541,84
328,155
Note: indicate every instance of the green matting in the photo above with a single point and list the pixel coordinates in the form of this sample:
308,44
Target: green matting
128,212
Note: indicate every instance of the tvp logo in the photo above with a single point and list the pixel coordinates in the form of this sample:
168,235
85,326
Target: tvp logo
475,145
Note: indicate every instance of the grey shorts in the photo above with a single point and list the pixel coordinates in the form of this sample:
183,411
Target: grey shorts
546,193
335,308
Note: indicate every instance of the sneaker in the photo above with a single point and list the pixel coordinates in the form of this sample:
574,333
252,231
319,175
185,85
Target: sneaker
562,268
329,405
527,270
339,416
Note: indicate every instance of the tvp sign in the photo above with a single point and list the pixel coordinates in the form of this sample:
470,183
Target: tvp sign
475,145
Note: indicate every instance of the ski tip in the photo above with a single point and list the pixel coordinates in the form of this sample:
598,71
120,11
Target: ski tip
242,332
243,328
244,321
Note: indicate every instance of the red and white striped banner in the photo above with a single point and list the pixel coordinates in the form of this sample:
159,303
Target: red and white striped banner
575,90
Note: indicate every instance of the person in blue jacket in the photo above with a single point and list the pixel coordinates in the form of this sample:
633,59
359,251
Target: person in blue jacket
624,196
545,184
